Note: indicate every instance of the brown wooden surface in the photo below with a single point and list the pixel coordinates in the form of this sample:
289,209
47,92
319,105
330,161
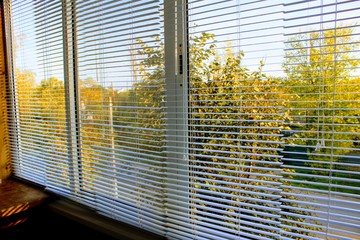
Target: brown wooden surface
16,197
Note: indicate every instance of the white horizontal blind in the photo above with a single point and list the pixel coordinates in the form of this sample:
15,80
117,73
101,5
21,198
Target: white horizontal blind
38,128
274,148
235,119
322,63
252,132
121,109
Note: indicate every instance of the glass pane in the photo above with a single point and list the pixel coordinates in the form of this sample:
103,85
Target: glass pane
236,103
121,83
322,140
42,154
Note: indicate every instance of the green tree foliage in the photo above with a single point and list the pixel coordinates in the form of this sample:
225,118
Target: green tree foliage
50,101
140,126
148,96
235,128
237,118
320,67
42,112
95,130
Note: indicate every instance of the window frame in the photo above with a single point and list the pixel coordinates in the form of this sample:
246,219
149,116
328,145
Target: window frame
176,47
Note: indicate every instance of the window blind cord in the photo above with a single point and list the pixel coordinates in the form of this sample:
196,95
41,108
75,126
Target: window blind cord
333,122
99,68
46,60
321,101
134,80
112,140
239,136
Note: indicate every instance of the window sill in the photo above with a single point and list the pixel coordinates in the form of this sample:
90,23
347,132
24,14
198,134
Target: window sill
18,200
115,229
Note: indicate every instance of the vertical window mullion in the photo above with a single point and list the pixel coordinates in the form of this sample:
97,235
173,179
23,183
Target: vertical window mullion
71,92
13,118
176,72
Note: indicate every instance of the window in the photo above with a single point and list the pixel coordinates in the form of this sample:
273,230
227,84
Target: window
192,119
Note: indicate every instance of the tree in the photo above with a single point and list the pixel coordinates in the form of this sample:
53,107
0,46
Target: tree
26,90
148,96
320,67
235,128
95,131
41,109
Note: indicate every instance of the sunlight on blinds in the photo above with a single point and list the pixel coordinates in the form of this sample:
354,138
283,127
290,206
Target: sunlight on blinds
39,125
121,109
231,119
322,82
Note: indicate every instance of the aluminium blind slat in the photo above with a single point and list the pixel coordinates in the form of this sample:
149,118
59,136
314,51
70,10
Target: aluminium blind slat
125,138
87,12
207,24
343,220
145,159
222,226
131,209
228,217
353,220
333,170
141,167
122,189
132,145
210,231
121,159
128,214
311,217
323,177
143,17
127,170
28,57
138,30
122,34
254,200
213,217
295,189
216,87
328,99
110,41
118,205
324,205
